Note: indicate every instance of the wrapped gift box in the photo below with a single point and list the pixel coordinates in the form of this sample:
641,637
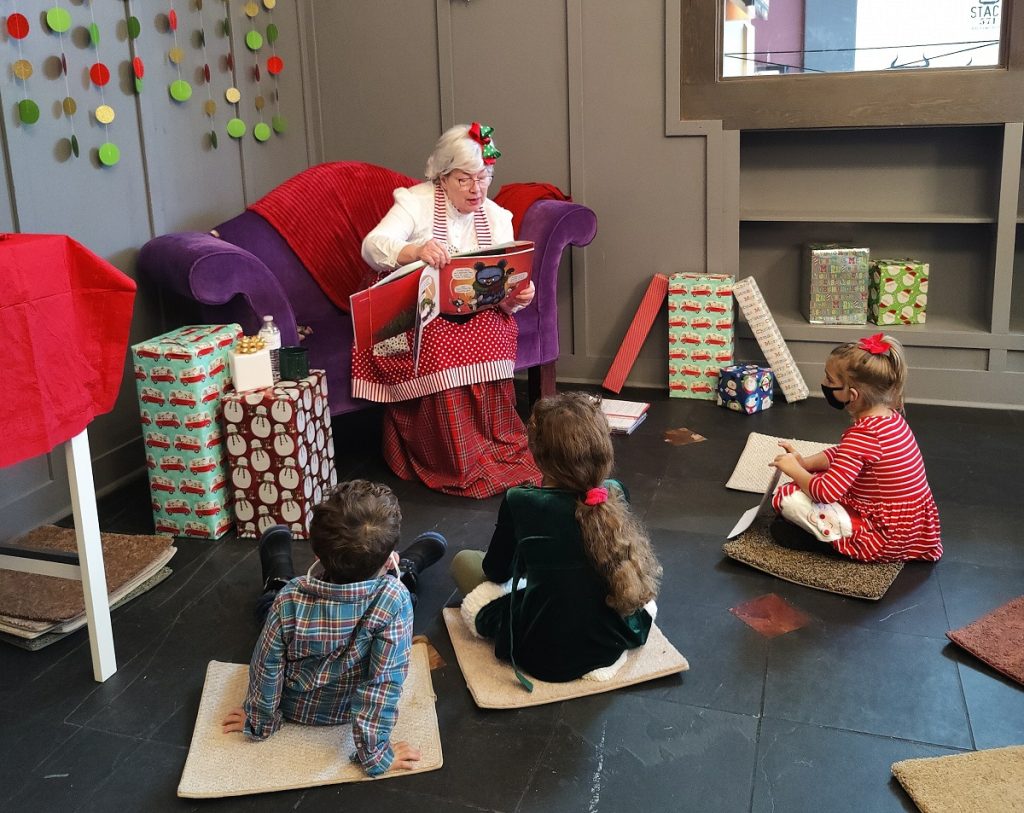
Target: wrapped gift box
700,332
746,388
281,453
836,284
180,377
898,294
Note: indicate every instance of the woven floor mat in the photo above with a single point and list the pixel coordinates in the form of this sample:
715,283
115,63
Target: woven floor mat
296,756
997,639
493,684
990,781
756,548
752,472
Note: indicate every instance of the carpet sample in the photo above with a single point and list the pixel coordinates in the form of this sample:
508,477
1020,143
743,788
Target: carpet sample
493,684
756,548
997,639
58,632
49,598
989,781
771,615
752,472
296,756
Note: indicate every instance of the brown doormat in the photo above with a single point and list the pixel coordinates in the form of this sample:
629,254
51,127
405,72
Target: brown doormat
297,756
59,632
493,684
997,639
48,598
756,548
990,781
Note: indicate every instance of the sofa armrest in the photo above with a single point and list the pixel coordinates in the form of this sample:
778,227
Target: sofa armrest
552,225
211,271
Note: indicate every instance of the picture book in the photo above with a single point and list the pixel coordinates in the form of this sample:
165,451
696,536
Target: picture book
624,416
411,296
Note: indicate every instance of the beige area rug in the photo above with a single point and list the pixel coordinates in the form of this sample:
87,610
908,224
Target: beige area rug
48,598
296,756
493,684
752,472
990,781
997,639
756,548
35,639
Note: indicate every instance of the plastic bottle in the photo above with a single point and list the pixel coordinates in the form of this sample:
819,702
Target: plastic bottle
272,336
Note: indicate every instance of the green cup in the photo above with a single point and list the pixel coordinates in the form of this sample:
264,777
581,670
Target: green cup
294,363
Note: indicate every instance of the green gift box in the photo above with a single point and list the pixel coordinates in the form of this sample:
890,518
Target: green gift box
180,377
700,333
898,294
836,284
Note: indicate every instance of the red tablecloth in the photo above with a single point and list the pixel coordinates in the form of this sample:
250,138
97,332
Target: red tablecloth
64,319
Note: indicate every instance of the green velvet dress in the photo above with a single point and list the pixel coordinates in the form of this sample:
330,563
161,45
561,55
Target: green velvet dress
558,627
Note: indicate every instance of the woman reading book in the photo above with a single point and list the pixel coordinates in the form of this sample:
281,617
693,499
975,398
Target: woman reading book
451,422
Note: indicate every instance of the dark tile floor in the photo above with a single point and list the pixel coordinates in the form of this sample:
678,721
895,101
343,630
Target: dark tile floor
809,720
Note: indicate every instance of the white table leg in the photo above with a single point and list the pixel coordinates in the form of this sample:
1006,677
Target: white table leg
90,556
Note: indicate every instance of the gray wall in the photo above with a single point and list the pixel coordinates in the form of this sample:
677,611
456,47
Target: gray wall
169,178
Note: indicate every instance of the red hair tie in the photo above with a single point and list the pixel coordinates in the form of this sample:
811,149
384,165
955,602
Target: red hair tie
596,496
876,345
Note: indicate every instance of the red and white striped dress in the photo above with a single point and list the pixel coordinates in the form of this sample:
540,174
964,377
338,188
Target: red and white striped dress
876,473
453,423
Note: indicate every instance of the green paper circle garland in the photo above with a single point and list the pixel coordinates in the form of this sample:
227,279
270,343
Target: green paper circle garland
109,154
236,128
28,111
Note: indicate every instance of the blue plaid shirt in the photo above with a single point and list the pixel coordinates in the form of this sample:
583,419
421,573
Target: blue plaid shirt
333,653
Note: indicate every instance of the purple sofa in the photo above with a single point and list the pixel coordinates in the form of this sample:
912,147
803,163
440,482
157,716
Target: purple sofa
250,270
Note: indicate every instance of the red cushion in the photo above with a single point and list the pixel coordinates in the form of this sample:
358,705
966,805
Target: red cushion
324,212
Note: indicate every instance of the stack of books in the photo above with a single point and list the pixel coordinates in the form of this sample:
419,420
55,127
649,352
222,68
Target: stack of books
624,416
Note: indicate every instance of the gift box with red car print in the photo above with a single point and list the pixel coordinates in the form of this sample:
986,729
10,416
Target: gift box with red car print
700,333
899,292
281,454
180,378
746,388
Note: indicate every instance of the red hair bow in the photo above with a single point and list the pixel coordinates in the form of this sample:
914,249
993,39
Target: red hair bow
876,345
481,134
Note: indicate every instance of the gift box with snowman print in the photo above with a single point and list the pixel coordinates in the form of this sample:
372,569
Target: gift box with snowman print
898,293
746,388
281,452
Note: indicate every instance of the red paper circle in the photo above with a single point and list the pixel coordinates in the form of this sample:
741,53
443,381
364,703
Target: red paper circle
230,59
256,71
17,26
206,72
275,65
64,64
100,74
172,19
138,67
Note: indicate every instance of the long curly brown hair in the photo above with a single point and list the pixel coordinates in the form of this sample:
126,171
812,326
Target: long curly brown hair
570,441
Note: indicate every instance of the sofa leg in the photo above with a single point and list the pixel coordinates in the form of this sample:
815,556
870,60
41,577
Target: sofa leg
540,381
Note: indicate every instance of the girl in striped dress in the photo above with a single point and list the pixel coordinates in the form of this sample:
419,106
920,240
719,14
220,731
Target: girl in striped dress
868,498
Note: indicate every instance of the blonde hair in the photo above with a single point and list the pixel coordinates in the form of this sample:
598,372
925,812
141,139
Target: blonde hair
455,150
880,378
570,440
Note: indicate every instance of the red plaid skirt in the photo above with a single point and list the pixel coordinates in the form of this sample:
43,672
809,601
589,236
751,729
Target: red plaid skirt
468,441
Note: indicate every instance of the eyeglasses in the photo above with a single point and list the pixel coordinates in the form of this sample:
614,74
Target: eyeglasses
467,182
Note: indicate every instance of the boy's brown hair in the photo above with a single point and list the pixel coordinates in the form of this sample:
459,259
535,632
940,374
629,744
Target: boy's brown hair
355,529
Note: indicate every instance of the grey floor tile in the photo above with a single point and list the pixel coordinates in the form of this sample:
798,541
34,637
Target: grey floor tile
995,703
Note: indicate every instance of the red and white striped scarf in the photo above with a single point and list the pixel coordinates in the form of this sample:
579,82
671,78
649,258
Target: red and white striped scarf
480,224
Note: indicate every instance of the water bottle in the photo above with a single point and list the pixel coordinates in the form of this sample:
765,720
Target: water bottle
272,338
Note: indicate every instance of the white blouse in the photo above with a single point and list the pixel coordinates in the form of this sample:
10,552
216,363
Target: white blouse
411,220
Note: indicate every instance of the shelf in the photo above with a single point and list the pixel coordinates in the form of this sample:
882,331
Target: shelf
845,217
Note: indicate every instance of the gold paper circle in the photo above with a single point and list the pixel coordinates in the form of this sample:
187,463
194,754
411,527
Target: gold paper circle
69,105
210,107
269,4
260,102
105,114
23,69
233,95
176,55
252,8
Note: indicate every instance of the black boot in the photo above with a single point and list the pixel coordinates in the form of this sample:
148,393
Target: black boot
425,550
276,557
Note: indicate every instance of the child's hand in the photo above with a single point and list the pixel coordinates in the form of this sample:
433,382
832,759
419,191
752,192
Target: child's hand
406,756
785,444
789,464
235,721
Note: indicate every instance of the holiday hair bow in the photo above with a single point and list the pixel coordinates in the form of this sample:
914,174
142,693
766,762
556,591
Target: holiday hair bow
596,496
876,345
481,134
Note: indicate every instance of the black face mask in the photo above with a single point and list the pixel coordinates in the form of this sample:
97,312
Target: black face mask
829,393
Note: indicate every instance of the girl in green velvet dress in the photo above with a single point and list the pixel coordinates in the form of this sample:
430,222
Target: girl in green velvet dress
585,572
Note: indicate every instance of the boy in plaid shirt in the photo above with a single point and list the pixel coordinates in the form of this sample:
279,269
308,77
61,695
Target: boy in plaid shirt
335,645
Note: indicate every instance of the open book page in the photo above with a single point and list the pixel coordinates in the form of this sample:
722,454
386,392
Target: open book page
624,416
748,517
